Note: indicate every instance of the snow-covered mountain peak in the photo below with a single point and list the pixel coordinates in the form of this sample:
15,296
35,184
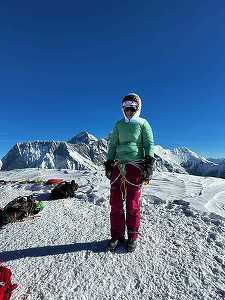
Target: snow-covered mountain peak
162,151
45,154
83,138
186,154
85,151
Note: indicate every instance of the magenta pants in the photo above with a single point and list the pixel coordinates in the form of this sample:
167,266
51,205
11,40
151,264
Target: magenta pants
118,192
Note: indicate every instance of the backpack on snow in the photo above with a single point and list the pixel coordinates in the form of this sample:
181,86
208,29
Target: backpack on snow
6,286
19,208
64,190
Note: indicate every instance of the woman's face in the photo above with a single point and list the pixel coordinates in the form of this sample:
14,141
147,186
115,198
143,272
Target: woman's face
130,111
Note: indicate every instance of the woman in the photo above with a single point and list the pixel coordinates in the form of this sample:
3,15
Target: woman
129,163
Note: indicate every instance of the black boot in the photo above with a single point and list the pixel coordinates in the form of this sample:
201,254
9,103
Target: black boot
131,245
114,243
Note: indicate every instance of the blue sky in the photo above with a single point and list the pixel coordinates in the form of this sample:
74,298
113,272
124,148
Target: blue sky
65,65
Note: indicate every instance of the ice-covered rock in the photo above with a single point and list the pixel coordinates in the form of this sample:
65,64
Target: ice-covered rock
90,147
95,151
85,151
47,155
83,138
167,161
198,165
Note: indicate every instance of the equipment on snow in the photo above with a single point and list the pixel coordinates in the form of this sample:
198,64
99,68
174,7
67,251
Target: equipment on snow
39,205
54,181
19,208
64,190
6,286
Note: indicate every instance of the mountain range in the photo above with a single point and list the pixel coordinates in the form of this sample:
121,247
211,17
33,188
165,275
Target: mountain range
85,151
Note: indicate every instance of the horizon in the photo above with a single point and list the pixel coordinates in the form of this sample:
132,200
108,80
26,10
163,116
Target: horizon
65,68
99,138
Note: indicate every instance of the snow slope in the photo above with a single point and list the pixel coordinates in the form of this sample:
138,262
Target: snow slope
60,255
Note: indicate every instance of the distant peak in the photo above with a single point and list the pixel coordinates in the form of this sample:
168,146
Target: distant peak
186,151
182,149
83,137
188,154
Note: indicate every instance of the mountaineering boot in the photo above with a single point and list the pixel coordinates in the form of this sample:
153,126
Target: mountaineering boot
122,239
131,245
114,243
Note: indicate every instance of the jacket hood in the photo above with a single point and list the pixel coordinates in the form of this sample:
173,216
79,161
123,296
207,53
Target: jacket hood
136,116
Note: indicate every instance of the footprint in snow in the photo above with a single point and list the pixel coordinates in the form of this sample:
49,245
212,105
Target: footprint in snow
185,207
219,260
211,237
95,199
216,219
189,212
181,202
156,200
221,293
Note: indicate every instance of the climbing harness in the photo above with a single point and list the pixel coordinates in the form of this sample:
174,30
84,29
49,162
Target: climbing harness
124,181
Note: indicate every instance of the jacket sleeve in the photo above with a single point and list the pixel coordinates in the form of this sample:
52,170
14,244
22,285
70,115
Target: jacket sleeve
113,142
148,140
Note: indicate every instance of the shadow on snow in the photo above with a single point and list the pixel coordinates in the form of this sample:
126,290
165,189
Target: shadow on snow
96,247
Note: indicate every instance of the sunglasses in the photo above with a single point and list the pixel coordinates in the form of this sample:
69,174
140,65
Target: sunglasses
131,109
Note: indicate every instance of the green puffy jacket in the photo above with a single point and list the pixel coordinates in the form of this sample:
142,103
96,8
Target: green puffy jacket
131,141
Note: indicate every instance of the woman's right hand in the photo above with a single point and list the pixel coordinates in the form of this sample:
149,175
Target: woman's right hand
148,169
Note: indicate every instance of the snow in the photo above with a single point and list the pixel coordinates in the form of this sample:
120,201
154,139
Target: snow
48,154
186,154
77,157
61,254
85,151
83,137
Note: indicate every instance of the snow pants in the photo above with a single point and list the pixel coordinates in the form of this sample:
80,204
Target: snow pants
125,193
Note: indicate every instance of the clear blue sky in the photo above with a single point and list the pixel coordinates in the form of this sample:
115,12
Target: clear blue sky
64,66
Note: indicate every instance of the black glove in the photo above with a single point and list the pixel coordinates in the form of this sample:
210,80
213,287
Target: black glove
148,168
108,168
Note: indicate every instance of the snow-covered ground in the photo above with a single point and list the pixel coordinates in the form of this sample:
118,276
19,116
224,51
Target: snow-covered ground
60,255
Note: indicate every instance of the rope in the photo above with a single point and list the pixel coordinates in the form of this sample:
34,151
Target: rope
123,185
137,185
115,179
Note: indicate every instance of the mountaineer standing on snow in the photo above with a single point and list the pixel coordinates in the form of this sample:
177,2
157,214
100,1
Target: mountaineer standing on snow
129,163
